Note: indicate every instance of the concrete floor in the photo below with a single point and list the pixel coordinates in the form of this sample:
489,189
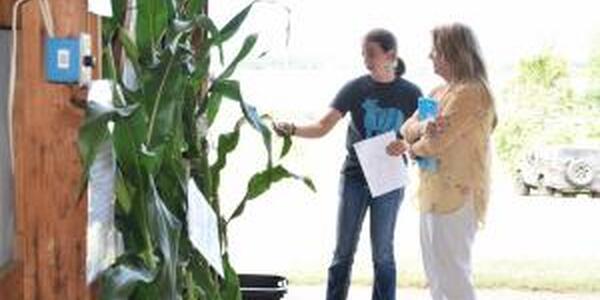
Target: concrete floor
364,293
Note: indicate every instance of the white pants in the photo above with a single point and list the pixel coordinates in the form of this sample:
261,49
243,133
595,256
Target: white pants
446,241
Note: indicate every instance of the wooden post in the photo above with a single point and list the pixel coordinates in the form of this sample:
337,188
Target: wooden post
5,11
50,220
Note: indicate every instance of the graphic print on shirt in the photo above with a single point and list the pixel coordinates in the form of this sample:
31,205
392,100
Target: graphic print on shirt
378,120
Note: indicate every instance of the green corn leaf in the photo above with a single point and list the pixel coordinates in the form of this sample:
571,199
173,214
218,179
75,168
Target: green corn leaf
213,104
247,46
230,29
111,25
195,7
164,98
205,278
128,136
206,23
152,159
228,88
252,116
109,69
131,49
152,19
165,229
231,89
123,193
287,140
287,145
219,89
191,288
119,282
234,24
227,143
262,181
94,130
230,289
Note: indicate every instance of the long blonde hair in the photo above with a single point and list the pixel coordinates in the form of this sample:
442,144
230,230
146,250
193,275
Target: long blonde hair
458,46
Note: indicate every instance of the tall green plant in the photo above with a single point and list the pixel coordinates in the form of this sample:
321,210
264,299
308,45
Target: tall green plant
160,142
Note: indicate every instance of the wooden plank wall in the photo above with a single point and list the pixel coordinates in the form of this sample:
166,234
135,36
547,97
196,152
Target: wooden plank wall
50,220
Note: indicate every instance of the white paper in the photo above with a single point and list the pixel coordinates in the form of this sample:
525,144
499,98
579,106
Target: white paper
100,7
103,240
101,92
203,228
384,173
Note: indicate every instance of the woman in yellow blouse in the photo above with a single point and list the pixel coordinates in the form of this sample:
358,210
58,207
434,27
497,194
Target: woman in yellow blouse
453,198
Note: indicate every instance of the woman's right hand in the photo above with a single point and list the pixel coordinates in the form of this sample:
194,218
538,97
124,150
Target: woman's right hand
432,128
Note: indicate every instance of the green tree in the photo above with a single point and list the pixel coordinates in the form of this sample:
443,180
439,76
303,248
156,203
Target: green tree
593,72
593,89
544,70
536,106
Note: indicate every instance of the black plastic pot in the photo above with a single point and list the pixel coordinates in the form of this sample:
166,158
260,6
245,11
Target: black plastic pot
262,287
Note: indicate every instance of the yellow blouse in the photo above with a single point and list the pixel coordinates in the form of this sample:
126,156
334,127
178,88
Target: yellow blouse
462,149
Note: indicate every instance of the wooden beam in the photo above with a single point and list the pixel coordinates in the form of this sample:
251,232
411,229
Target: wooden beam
11,282
50,220
5,12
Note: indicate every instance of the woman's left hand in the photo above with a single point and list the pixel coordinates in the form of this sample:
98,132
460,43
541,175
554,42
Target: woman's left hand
396,147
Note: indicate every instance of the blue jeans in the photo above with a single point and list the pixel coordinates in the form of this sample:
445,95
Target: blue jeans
355,199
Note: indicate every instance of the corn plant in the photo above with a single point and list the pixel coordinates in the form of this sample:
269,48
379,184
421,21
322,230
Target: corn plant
158,134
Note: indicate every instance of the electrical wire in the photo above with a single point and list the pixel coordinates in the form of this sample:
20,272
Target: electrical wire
12,81
47,17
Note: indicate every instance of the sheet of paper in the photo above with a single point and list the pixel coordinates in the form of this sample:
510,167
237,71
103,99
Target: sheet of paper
101,92
384,173
103,240
100,7
203,228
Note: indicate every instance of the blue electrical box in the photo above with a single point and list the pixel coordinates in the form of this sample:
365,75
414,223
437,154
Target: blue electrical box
63,60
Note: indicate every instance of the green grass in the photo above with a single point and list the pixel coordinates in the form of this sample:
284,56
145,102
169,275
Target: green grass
556,276
564,276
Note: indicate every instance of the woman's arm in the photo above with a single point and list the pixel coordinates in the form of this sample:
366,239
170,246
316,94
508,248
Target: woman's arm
411,129
464,111
314,130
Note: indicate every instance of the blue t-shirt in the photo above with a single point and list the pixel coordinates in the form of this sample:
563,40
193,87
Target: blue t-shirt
375,108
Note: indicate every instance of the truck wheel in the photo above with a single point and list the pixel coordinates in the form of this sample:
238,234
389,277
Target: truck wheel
579,172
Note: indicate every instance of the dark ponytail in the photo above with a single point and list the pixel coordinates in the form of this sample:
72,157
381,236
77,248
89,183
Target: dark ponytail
400,67
387,42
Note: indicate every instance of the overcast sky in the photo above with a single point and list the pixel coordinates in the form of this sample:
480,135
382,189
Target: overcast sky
506,28
329,31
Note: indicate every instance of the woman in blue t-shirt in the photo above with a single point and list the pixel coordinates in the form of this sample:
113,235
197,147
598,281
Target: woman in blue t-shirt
378,102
